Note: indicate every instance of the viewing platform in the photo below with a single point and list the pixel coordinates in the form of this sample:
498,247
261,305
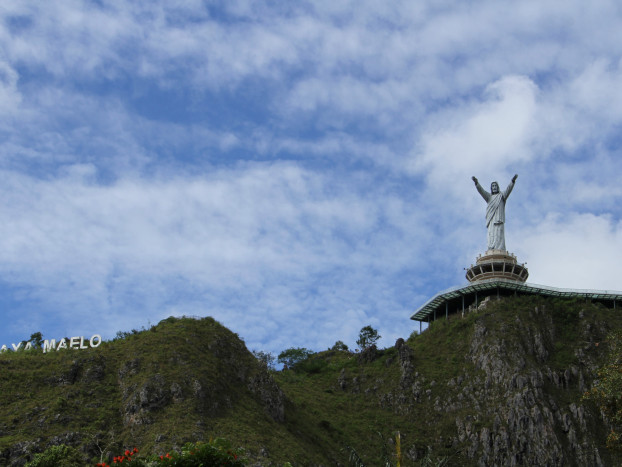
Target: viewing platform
497,264
458,299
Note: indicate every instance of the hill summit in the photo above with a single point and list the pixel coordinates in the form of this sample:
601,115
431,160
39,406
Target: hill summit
501,385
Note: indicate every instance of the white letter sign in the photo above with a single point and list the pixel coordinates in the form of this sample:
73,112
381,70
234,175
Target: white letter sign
78,343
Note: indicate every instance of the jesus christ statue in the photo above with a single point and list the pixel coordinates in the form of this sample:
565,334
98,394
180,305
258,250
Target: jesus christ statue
495,212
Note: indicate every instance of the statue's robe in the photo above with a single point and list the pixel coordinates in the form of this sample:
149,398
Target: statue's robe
495,215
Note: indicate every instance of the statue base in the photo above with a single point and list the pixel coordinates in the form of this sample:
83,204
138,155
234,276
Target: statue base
497,264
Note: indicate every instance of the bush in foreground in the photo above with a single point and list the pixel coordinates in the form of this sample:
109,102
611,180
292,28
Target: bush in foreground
58,456
215,453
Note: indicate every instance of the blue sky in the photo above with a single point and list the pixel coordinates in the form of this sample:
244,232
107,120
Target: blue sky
297,170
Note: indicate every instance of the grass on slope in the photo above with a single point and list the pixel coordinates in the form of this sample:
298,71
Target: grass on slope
333,402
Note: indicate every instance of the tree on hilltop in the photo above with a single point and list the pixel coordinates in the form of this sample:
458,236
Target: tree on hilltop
36,340
339,345
367,337
294,355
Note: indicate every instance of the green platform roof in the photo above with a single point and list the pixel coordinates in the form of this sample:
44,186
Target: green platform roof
468,292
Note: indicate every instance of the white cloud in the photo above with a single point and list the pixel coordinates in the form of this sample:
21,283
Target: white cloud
10,96
481,137
574,251
585,108
263,233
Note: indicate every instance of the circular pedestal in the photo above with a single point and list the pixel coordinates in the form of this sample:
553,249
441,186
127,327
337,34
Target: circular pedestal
495,264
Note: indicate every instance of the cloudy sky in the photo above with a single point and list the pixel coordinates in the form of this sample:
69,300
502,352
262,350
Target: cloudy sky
297,170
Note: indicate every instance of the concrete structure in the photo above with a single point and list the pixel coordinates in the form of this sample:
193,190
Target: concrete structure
497,264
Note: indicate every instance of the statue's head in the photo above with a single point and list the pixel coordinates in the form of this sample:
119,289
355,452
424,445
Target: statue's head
494,188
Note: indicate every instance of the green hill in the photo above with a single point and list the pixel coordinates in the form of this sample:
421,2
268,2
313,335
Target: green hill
501,386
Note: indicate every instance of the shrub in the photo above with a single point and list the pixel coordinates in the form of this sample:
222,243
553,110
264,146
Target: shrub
215,453
294,355
58,456
312,365
339,345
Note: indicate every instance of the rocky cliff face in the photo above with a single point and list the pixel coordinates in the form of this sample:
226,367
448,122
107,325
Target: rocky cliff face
533,422
517,400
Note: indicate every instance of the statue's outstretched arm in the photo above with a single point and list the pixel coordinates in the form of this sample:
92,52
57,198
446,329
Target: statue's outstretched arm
481,190
508,190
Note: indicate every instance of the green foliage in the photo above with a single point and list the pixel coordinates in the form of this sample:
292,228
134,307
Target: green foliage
215,453
413,334
58,456
368,336
125,334
353,458
607,390
265,357
389,458
434,461
311,365
339,346
395,459
36,340
294,355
